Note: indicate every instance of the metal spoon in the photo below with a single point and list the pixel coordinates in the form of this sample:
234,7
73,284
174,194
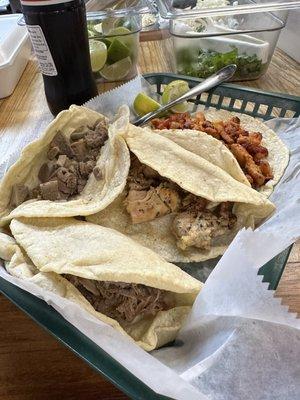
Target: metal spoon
222,75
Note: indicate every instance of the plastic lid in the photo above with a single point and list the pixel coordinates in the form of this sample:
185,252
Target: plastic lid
11,37
120,6
173,9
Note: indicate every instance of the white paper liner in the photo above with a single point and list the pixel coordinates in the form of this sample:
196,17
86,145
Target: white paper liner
239,341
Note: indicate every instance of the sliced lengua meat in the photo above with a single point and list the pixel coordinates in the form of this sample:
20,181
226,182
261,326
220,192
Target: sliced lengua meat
95,140
50,191
61,142
52,152
86,168
80,149
68,167
46,171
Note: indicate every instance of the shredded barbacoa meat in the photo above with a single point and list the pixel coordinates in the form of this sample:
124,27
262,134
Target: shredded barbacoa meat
245,146
68,167
122,301
196,221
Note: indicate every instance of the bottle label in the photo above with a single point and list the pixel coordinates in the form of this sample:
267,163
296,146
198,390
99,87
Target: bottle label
43,2
41,50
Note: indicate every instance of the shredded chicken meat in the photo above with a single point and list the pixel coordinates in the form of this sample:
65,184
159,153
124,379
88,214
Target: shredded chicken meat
122,301
197,227
146,205
196,221
149,197
245,146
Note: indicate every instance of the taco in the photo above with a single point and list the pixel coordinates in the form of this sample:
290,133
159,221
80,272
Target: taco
117,280
179,204
76,167
261,155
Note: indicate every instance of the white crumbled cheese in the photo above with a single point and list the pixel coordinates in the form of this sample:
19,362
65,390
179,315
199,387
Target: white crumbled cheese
199,24
211,3
148,19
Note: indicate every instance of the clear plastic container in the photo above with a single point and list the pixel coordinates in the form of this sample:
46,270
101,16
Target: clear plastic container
206,39
113,27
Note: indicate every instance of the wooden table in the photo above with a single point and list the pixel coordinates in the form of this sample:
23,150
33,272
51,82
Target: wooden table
33,365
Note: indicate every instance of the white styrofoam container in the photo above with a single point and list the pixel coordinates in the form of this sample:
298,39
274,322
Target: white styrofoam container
15,48
289,38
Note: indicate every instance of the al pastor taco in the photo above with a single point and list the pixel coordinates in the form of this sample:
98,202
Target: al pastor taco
259,152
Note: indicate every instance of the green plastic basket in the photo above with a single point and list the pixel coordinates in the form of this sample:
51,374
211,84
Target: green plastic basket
227,96
254,102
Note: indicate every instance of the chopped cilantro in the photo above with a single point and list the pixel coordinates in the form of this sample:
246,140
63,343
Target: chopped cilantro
203,63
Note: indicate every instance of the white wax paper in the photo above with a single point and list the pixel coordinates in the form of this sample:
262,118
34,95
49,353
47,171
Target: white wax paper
239,343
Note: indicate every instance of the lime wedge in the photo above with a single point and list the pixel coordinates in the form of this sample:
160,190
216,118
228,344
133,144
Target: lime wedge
109,24
117,51
98,28
120,30
124,35
144,104
117,71
106,41
174,90
91,33
98,54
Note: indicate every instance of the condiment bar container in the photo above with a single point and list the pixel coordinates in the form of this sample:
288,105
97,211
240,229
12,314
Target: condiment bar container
113,30
207,35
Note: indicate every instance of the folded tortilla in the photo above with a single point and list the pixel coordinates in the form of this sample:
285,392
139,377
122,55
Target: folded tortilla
207,147
96,195
60,247
16,262
194,174
214,151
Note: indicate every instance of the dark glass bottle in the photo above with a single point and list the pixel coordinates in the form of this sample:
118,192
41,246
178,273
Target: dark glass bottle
58,33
